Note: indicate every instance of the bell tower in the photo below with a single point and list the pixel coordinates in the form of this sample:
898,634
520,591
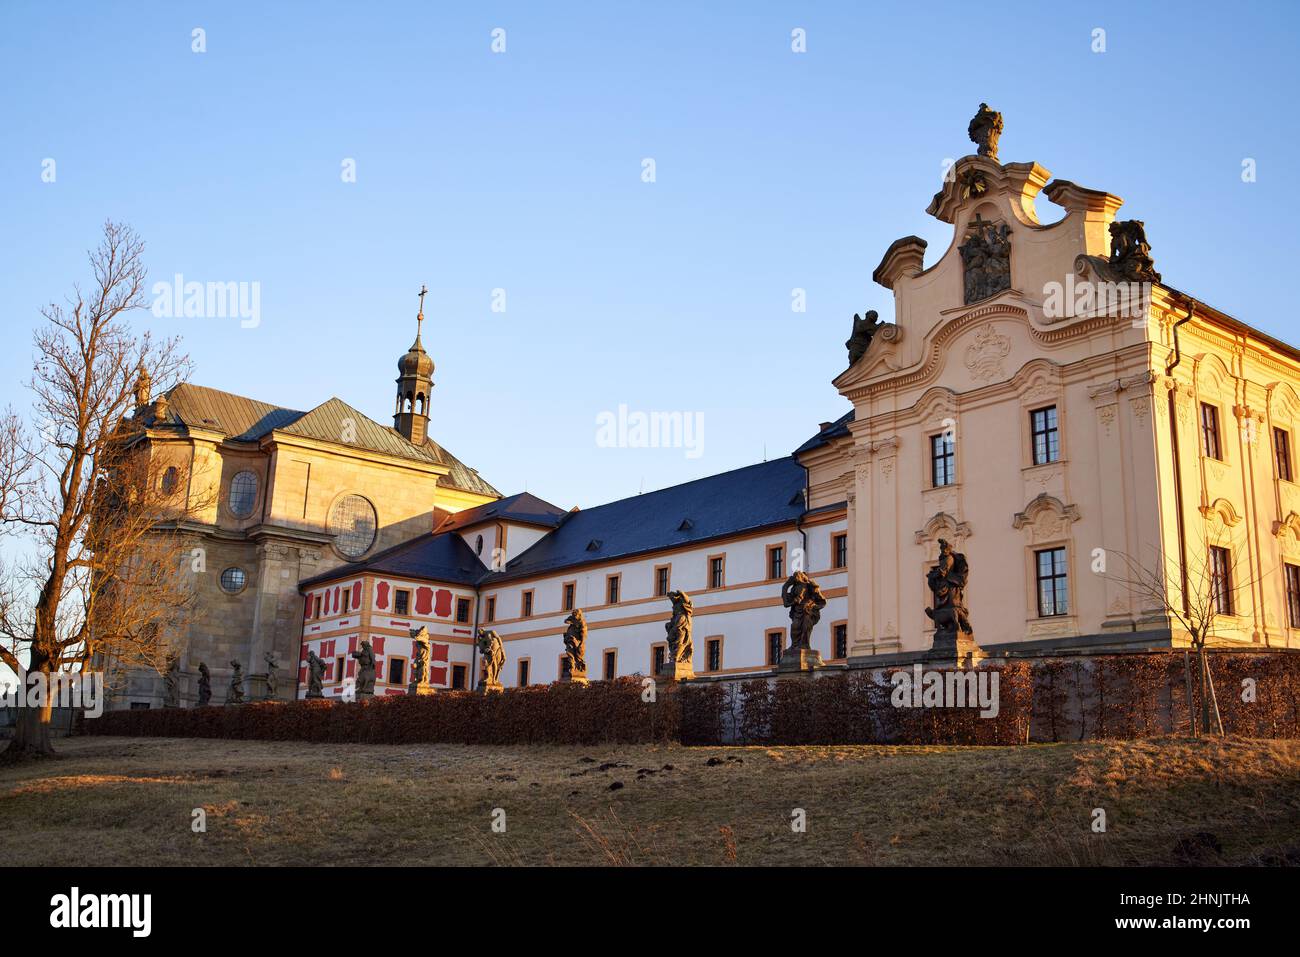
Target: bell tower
414,385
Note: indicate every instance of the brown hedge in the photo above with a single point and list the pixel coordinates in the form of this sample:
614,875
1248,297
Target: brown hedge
606,711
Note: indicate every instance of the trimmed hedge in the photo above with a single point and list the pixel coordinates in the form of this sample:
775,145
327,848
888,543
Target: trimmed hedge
605,711
1072,699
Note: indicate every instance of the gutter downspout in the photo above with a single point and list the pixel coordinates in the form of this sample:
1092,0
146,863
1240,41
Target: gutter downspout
1190,305
798,522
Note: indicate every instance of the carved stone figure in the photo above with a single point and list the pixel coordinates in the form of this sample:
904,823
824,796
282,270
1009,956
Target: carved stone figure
365,656
1130,254
984,130
271,680
986,256
680,648
804,598
315,675
864,330
205,685
419,662
172,683
947,581
236,695
494,658
575,644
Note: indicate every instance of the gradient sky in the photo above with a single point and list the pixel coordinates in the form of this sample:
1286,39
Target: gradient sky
522,171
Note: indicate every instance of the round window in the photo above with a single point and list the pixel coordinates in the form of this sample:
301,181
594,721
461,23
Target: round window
233,580
243,494
353,524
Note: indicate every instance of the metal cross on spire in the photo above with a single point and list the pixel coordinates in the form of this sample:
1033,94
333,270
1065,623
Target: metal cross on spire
419,319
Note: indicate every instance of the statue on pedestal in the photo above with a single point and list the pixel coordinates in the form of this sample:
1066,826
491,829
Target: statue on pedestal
804,598
1130,253
205,685
419,662
271,680
575,644
680,648
236,695
494,658
864,330
365,656
947,581
315,675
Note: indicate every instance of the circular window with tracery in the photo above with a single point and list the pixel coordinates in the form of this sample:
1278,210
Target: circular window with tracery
233,580
353,525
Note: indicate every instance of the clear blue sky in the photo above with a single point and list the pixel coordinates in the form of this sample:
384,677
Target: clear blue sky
523,171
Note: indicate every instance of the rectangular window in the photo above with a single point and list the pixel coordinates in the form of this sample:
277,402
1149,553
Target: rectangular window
462,609
1046,437
841,635
526,608
611,589
523,672
316,608
1293,595
717,571
661,581
1053,590
401,602
713,655
338,667
611,665
659,656
396,670
1221,580
492,609
775,639
776,562
943,460
569,590
1210,431
347,595
458,673
1282,453
840,551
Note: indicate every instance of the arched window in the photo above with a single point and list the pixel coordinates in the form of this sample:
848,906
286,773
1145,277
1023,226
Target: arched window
169,480
243,494
353,524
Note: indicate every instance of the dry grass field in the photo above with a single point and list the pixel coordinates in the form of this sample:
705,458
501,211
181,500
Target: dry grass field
117,801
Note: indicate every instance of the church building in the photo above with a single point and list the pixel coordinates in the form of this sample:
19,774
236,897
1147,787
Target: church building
1099,447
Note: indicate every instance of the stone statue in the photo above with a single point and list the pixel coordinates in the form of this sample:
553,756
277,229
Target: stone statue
947,581
236,695
271,680
986,256
494,658
172,683
804,598
575,644
315,675
1130,254
205,685
984,130
864,330
365,656
419,656
680,648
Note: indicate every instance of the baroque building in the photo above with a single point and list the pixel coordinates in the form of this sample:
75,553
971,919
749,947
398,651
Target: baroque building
1044,401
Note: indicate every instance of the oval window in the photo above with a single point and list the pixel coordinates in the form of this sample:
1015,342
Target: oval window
478,545
169,480
233,580
353,525
243,494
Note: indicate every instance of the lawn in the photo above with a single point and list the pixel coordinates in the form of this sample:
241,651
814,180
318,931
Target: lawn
1167,801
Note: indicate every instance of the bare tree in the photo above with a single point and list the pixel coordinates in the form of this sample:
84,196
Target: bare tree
93,518
1195,599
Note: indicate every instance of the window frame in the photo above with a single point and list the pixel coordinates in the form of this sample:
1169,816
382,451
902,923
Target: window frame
1291,577
768,635
468,605
1059,580
569,595
1050,434
769,566
667,572
836,626
614,588
1221,585
524,672
1211,435
388,670
1282,461
720,557
839,544
398,595
947,455
710,642
527,603
605,661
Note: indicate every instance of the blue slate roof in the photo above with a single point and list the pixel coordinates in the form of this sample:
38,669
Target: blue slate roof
745,499
523,507
444,557
832,431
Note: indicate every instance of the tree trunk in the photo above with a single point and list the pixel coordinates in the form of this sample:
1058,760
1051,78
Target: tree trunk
32,732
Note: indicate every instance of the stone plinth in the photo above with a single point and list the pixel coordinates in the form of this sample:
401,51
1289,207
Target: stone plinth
490,687
958,651
574,677
420,688
675,671
799,661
